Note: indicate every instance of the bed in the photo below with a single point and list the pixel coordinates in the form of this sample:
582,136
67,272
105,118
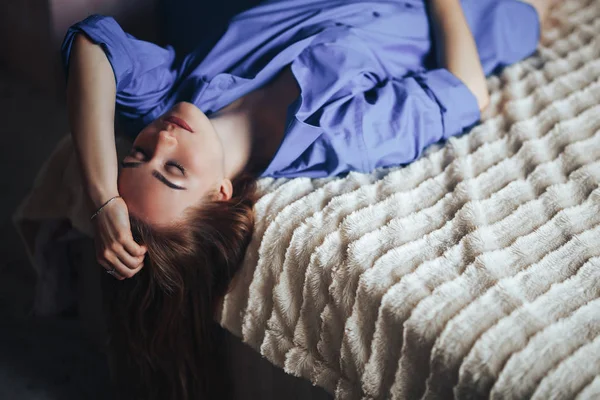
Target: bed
473,272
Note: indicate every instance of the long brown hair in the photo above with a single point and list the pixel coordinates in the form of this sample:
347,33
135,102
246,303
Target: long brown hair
161,321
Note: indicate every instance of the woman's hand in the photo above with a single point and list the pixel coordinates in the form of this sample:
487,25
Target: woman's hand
115,247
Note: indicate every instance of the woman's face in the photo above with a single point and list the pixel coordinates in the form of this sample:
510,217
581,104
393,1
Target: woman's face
174,162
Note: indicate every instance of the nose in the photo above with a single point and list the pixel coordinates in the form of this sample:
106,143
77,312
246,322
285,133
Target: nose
166,139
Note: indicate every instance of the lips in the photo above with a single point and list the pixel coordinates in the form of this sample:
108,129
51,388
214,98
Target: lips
179,122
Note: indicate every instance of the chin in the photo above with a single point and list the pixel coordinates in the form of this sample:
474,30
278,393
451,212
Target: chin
191,114
188,109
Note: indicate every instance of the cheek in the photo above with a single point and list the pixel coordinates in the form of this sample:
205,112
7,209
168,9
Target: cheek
143,197
130,184
147,136
207,156
144,137
120,183
124,184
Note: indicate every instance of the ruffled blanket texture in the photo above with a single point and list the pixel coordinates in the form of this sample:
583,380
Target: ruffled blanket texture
473,272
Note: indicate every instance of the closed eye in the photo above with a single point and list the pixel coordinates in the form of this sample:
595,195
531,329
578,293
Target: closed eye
155,174
138,153
140,157
175,165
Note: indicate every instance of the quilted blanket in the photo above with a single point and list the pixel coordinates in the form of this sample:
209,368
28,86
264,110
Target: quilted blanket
473,272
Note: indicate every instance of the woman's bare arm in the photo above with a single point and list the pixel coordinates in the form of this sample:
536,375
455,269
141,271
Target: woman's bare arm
457,49
91,95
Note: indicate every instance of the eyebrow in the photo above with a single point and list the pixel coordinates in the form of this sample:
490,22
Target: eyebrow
155,174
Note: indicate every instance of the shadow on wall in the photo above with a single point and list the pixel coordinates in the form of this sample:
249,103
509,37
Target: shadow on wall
189,24
31,31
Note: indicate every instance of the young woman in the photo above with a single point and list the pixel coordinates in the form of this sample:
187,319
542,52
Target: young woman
293,88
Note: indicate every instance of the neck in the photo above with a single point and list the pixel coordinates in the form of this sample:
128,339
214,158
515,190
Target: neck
250,132
252,127
233,125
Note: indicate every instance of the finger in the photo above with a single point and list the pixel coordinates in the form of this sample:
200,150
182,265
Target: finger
116,275
133,248
139,267
128,260
105,265
108,268
132,272
121,268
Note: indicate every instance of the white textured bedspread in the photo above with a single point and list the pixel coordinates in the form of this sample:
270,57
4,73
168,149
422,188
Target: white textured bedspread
473,272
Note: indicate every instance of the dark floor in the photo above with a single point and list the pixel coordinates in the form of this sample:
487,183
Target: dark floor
39,358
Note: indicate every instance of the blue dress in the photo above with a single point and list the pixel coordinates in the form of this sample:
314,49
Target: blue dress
372,93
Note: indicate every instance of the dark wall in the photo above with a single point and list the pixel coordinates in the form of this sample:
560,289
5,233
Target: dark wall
189,24
31,32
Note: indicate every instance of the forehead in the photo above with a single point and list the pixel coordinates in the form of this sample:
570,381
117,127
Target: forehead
153,202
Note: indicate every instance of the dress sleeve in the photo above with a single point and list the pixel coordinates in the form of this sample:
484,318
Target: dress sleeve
144,72
505,31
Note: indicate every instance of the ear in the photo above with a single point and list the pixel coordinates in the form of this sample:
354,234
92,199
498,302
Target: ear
225,190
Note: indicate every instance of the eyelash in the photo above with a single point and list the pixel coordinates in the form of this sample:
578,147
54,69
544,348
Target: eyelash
169,163
177,165
139,150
